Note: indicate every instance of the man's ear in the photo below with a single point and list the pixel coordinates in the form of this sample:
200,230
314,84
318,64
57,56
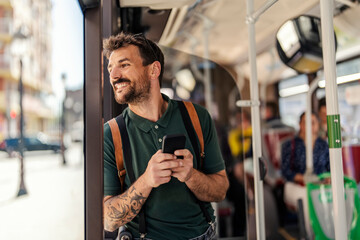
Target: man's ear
155,70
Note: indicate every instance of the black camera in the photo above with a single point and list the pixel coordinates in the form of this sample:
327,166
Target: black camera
124,234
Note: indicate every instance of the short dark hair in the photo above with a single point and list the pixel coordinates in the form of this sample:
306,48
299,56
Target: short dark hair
322,103
274,108
149,51
312,113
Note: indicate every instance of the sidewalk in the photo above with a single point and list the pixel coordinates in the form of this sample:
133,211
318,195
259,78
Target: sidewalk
54,206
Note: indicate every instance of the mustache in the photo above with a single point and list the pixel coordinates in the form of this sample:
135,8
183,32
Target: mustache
121,80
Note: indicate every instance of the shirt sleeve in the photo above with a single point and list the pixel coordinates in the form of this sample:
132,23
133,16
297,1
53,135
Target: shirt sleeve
321,157
214,161
112,185
286,171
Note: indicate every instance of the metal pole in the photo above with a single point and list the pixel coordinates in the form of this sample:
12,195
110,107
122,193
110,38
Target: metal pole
309,175
22,188
63,78
207,74
208,24
333,119
255,122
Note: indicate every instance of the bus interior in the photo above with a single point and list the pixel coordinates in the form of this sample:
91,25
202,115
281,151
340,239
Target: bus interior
207,60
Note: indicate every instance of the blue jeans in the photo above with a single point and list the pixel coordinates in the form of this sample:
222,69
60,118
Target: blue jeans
208,235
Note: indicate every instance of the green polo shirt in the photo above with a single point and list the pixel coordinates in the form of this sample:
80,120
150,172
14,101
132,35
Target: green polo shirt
171,210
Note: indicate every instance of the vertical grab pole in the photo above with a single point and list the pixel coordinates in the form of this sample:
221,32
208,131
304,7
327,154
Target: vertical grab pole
255,122
309,175
207,70
333,119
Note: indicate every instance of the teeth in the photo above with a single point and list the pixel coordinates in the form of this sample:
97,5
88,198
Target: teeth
119,85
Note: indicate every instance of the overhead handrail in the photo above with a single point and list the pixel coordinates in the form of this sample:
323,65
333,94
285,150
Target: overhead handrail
252,18
348,3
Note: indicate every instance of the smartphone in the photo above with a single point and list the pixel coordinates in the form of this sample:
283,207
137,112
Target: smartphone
173,142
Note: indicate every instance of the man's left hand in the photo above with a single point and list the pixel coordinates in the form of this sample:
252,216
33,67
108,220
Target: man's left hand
184,172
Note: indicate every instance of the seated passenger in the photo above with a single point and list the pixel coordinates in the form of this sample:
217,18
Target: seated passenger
293,166
274,132
240,136
271,115
293,153
239,142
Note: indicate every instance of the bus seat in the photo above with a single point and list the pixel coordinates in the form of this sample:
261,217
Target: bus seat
273,139
351,161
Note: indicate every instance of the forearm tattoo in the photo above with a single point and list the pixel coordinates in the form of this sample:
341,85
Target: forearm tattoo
123,208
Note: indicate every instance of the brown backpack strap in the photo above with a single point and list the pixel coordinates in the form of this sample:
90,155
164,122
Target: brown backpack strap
115,132
190,116
196,124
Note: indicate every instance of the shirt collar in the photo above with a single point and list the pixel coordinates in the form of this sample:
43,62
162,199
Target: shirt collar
145,124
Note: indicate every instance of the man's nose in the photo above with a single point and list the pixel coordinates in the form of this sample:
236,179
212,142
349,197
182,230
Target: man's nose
115,73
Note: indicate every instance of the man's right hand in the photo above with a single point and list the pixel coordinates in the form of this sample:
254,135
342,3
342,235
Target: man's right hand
121,209
159,168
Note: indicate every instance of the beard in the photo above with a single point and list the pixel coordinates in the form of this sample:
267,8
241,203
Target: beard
135,92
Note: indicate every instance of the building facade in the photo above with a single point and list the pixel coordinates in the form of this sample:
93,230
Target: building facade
25,51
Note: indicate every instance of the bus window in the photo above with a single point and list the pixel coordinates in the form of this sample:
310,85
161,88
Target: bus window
41,98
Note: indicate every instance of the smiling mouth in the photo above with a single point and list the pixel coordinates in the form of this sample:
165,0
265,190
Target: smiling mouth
119,85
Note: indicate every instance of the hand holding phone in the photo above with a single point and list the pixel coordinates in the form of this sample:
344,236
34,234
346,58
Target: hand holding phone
173,142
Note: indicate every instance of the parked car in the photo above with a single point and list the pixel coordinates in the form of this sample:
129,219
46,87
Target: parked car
11,145
77,131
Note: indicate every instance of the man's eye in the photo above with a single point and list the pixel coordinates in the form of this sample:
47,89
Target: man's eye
125,65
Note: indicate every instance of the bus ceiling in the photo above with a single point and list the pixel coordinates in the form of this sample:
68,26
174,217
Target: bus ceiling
182,25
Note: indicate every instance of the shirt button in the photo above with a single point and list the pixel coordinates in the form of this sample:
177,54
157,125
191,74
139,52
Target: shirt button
160,140
156,126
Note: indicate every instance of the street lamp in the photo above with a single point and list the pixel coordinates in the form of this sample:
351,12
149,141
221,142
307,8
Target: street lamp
22,189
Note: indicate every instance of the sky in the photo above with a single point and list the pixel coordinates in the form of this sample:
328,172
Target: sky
67,45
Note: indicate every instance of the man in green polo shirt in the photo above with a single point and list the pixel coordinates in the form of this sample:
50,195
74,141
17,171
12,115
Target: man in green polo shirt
164,184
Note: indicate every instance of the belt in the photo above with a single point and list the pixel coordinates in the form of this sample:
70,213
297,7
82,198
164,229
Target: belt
208,235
